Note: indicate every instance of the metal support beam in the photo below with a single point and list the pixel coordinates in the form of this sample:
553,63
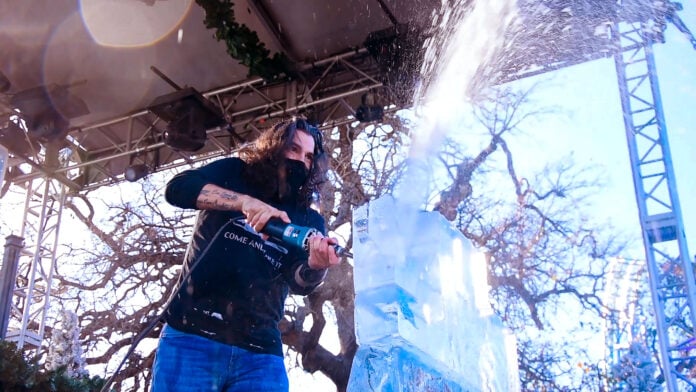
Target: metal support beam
41,223
670,271
247,105
272,26
8,276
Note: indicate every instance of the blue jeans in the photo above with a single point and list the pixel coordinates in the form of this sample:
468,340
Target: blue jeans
191,363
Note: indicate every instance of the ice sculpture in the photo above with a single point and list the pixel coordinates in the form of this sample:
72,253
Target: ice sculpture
423,317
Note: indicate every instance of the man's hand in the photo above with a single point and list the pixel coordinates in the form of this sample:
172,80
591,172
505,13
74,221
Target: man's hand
321,252
258,213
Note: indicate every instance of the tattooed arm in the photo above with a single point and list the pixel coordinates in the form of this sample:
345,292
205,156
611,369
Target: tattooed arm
203,189
213,197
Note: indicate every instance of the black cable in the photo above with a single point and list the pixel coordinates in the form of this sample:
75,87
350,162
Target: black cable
388,12
150,326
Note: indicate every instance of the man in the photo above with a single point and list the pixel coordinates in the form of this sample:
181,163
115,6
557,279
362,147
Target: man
222,324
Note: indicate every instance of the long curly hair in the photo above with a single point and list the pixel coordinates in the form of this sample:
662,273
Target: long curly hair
265,158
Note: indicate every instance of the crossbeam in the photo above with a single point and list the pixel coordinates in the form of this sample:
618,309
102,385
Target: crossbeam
330,91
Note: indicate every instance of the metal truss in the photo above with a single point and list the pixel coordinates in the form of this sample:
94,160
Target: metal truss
328,90
40,227
670,271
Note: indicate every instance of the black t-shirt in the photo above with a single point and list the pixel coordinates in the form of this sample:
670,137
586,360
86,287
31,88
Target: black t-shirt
237,290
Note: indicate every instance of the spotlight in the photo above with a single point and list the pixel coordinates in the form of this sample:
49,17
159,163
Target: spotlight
46,112
188,115
369,110
135,172
16,139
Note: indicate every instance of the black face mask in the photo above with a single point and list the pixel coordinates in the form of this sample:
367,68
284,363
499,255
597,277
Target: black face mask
296,174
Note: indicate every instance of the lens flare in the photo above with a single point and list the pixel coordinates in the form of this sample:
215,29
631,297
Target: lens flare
132,23
71,59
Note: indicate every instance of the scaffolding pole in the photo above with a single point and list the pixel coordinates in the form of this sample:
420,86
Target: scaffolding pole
670,272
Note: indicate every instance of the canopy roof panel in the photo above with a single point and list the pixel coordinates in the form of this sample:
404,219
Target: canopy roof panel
83,75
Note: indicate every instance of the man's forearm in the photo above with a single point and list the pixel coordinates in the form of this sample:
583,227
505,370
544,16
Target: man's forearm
213,197
256,212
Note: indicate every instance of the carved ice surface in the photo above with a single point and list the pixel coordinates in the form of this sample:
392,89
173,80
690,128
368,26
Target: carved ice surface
422,316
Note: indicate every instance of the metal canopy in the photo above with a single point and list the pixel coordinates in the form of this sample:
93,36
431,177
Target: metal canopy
106,53
98,61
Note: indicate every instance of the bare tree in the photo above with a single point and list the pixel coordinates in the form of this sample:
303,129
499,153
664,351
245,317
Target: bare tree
120,281
543,250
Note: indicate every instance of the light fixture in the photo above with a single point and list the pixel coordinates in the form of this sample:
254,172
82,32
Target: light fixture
369,109
188,115
135,172
16,139
47,111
